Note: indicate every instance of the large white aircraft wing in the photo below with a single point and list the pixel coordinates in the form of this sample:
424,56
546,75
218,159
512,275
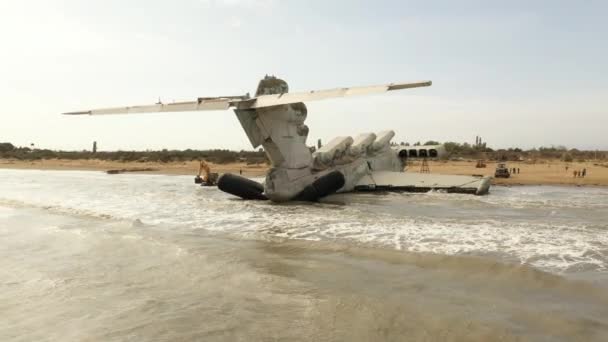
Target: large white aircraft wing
315,95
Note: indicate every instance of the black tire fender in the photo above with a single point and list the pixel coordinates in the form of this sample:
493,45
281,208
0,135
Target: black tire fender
242,187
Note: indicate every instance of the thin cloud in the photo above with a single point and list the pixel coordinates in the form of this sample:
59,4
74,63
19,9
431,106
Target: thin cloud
235,22
239,3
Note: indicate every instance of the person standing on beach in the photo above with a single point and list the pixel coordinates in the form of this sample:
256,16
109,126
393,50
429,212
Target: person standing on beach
584,172
574,173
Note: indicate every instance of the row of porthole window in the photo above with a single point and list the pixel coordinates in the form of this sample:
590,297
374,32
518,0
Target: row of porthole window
418,153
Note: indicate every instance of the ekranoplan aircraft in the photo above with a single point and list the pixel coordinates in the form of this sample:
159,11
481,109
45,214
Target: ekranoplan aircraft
274,119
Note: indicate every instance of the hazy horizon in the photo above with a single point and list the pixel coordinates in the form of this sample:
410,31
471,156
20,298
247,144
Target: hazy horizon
518,74
311,143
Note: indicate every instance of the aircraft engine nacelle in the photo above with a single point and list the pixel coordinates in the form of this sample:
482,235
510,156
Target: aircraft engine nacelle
420,152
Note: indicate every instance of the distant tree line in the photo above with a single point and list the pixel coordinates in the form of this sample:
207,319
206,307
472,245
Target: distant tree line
218,156
481,151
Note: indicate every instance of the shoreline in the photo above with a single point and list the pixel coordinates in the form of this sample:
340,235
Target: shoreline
171,168
546,172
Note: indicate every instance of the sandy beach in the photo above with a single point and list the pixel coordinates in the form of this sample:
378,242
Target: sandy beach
171,168
545,172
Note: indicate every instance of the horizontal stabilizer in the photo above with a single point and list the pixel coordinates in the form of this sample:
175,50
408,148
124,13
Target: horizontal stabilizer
219,103
316,95
245,102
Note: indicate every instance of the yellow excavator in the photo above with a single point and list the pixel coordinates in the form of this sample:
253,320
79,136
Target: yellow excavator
205,177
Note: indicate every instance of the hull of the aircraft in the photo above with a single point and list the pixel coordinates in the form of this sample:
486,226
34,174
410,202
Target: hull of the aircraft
422,182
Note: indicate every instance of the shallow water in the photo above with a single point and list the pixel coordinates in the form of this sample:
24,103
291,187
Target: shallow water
90,256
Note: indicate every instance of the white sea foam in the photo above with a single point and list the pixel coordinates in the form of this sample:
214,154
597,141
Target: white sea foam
560,229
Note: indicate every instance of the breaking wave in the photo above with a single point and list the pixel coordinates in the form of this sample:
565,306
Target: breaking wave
558,229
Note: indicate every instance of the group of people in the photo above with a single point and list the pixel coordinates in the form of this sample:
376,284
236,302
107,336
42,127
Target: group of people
514,170
580,173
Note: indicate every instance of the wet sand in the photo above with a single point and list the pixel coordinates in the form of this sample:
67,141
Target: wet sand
544,172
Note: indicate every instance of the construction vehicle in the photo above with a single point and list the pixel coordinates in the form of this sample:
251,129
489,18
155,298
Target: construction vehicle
205,177
502,171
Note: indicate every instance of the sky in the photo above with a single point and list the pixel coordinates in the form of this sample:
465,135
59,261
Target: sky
518,73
